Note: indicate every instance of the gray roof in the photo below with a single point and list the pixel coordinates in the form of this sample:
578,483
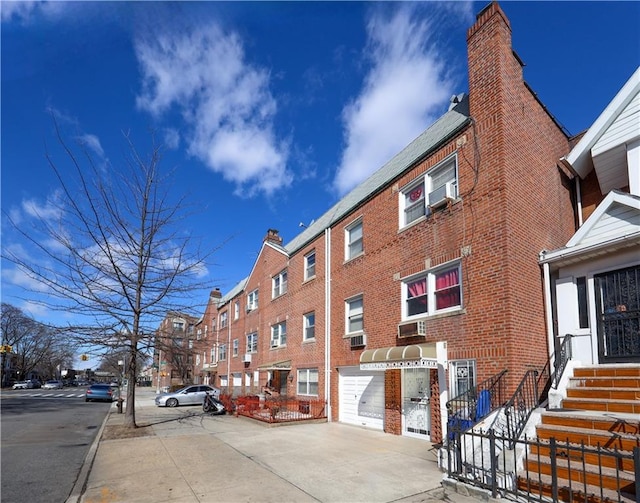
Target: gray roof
233,292
432,138
441,130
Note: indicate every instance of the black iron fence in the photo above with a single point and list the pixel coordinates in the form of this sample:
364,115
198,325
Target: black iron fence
543,471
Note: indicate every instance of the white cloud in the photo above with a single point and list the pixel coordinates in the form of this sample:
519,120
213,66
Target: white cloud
405,89
171,138
25,10
93,142
16,9
48,211
225,101
18,277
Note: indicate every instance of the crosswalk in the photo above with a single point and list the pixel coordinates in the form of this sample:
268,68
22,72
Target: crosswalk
45,394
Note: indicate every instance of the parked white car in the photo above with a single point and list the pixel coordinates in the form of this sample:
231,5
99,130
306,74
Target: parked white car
53,384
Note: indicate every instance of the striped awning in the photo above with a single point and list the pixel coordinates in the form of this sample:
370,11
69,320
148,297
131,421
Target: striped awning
414,355
281,365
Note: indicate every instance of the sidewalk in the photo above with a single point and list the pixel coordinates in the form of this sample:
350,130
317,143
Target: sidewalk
182,455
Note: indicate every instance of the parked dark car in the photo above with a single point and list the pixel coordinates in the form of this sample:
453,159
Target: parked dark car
102,393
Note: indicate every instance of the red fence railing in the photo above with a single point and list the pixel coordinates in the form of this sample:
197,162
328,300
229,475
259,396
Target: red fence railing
275,409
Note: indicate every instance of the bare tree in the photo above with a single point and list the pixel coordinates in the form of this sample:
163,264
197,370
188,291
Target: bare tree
34,346
116,255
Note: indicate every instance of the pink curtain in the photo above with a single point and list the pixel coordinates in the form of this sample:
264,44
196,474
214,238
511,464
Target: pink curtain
448,289
418,288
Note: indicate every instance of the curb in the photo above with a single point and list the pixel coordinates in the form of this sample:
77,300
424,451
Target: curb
83,476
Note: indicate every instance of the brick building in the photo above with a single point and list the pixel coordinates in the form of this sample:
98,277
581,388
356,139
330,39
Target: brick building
173,359
421,282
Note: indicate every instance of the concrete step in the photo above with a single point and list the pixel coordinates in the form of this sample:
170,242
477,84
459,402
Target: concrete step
614,423
594,438
603,405
606,393
605,382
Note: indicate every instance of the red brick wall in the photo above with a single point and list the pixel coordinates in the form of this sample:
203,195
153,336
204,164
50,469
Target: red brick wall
513,204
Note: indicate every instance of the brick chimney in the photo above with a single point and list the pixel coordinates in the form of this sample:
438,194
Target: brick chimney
215,293
273,237
495,72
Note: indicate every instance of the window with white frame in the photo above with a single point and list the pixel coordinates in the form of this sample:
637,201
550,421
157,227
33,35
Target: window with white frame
309,326
252,300
204,357
212,354
178,325
197,359
199,334
279,283
223,352
279,334
353,240
310,265
224,381
433,292
439,182
355,315
308,382
223,319
190,344
236,347
252,342
463,376
236,310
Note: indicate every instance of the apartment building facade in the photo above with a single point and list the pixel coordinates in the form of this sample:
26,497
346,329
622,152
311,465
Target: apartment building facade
422,281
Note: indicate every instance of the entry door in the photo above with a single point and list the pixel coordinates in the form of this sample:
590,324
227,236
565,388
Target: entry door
416,414
618,305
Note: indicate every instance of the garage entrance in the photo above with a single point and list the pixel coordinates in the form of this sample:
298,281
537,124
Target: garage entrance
361,397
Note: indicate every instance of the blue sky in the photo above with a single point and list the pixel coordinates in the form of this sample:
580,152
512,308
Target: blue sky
269,111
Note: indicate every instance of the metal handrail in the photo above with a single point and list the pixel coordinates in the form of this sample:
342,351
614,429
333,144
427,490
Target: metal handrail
547,380
530,392
471,406
524,400
564,354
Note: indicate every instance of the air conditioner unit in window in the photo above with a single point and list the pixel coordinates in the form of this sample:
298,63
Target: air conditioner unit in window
412,329
441,195
246,358
357,341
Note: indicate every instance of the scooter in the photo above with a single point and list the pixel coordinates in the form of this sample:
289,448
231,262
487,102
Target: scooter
212,405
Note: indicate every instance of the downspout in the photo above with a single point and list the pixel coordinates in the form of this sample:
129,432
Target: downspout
327,320
579,202
229,376
548,311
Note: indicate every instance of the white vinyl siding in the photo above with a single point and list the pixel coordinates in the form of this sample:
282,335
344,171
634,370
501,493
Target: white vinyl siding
624,129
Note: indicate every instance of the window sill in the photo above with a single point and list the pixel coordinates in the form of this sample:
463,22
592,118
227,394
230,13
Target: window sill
412,224
435,316
310,278
351,259
309,341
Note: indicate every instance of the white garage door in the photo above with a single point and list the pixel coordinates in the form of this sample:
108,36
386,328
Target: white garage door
362,397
